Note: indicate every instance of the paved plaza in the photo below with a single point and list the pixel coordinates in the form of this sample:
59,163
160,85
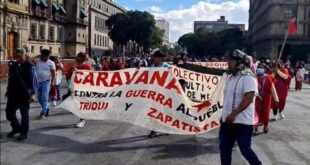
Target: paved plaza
54,140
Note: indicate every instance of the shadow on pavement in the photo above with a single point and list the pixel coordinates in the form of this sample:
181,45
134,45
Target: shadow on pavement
179,149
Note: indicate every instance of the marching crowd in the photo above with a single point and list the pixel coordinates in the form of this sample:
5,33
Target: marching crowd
261,80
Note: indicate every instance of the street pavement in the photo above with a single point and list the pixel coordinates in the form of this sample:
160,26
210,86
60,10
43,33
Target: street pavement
54,140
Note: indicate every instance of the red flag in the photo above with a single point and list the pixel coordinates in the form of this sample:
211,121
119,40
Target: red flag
292,26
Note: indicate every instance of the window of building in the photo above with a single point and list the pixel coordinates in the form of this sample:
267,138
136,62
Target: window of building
14,1
103,40
51,34
41,47
32,49
83,36
59,50
60,34
95,39
42,32
51,49
288,12
33,30
96,21
98,43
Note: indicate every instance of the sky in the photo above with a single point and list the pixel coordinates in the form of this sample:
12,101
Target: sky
181,14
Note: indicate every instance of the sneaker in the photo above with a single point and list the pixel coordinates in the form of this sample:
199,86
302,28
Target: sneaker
281,115
47,112
266,129
21,137
80,124
255,132
54,103
41,115
152,134
275,117
12,133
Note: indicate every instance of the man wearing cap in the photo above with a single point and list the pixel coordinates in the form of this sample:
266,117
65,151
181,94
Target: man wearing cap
238,110
20,92
46,73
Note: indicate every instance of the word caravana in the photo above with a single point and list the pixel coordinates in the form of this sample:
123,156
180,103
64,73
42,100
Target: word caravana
114,79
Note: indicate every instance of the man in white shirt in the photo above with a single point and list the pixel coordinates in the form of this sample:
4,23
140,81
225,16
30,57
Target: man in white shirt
238,110
46,73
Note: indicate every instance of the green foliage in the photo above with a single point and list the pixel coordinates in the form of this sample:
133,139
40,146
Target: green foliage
204,43
136,26
156,38
118,25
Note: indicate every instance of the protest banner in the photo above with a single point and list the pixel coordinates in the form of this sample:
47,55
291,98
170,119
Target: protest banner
148,97
198,86
217,65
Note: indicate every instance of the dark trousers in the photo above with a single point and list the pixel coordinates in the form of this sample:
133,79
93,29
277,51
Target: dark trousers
242,134
10,111
58,92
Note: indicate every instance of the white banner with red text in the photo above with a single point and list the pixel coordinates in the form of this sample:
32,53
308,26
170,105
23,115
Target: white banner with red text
151,98
217,65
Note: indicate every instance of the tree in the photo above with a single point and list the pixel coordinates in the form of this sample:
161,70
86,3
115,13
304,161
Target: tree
135,26
118,26
232,39
156,38
204,43
141,28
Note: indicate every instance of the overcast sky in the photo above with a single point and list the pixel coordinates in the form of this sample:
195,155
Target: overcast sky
181,14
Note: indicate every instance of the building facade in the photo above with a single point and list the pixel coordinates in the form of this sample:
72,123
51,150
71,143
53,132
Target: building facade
14,22
100,11
46,26
76,27
216,26
268,23
163,25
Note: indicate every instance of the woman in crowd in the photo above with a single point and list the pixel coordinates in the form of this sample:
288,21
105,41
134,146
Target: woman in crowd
299,76
81,64
282,81
266,89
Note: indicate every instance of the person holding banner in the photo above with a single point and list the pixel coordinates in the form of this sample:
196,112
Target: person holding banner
266,89
282,82
81,64
157,62
238,110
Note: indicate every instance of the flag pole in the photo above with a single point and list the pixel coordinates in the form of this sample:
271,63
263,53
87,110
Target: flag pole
283,45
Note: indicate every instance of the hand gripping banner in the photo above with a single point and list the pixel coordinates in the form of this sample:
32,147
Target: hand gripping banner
153,98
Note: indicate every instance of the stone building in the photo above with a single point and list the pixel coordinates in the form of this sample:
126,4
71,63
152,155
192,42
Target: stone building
216,26
268,23
76,27
100,11
14,22
163,25
46,27
58,25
